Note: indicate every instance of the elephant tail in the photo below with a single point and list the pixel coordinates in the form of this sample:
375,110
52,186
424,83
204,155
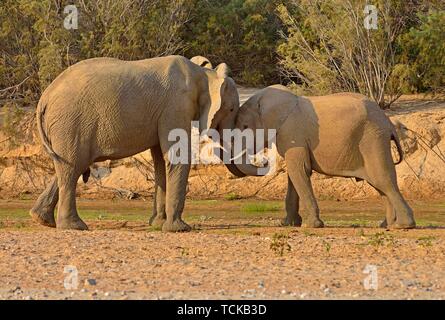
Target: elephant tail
43,136
395,138
86,175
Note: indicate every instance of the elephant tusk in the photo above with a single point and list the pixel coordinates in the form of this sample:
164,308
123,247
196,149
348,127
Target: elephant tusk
238,156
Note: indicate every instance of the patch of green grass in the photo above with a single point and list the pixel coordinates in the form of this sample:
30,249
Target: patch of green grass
426,241
232,196
203,202
428,223
14,214
381,239
260,207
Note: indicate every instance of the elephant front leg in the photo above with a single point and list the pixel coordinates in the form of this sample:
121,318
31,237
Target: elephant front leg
292,218
177,178
159,216
299,169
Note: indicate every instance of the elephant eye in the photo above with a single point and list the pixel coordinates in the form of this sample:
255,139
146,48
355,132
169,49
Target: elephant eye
231,110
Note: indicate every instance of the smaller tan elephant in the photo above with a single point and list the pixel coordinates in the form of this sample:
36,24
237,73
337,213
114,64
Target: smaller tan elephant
343,134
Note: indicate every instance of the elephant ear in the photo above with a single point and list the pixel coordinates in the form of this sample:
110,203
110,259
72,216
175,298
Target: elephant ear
202,62
211,104
219,81
222,70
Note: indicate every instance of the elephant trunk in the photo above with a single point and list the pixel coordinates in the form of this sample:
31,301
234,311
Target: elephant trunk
248,169
235,170
224,154
242,169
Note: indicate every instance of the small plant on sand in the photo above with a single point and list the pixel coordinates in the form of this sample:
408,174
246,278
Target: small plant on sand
380,239
204,218
426,241
280,244
19,225
326,245
361,232
232,196
308,233
184,251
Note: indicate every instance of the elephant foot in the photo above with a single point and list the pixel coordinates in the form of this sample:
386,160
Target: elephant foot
157,221
384,223
399,225
45,218
313,223
175,226
291,221
71,223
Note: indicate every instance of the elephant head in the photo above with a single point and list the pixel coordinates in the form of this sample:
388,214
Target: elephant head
223,110
221,106
267,109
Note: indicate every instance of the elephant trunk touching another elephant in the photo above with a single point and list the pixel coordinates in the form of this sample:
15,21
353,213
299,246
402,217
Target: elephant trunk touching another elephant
105,108
342,134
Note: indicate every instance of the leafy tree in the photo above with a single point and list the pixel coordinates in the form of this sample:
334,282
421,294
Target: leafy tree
422,65
328,49
242,33
322,48
35,47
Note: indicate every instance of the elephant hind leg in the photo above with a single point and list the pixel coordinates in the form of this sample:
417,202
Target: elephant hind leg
390,217
292,218
67,216
381,174
43,210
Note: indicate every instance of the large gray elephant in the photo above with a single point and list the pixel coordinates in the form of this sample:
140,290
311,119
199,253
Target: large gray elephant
105,108
342,134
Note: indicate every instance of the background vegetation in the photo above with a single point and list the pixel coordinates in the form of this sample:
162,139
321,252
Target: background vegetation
315,46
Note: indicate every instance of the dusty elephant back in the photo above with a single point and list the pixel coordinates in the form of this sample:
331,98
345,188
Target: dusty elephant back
344,123
111,107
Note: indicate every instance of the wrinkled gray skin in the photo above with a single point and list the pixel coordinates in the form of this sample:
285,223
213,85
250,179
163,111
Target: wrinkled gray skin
106,108
342,134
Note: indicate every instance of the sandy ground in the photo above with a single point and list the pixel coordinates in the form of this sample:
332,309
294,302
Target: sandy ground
235,252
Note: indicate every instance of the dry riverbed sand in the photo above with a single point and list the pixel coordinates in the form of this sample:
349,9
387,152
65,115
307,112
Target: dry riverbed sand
233,253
